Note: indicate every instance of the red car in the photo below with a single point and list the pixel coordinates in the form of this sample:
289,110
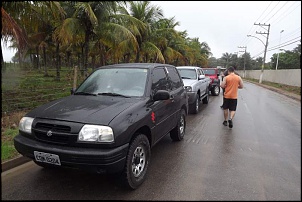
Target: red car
214,86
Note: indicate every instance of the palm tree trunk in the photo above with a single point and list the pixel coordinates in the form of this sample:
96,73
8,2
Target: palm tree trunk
93,62
38,62
3,67
68,58
83,60
58,62
86,54
137,57
45,67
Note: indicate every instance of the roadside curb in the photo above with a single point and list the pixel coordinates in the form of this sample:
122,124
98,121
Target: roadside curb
7,165
288,94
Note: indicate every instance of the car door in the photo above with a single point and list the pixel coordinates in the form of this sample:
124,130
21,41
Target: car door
161,109
176,91
202,82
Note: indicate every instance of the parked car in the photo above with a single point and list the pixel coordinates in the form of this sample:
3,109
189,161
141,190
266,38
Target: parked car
110,122
196,84
214,85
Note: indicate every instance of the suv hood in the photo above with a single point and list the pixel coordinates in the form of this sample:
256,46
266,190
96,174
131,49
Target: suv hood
84,109
188,82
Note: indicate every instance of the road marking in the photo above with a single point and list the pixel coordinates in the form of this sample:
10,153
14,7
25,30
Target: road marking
247,109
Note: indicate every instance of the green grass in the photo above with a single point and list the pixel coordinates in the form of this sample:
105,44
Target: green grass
292,89
8,150
29,89
24,90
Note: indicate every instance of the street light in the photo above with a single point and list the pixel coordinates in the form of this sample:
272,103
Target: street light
279,50
265,47
256,38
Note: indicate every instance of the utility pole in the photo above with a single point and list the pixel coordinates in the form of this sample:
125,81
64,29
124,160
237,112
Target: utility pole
237,63
279,49
267,34
244,59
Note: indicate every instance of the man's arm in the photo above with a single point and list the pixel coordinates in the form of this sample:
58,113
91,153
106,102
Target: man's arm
240,83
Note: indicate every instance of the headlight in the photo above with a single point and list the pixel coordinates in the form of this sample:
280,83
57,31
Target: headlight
25,124
94,133
188,88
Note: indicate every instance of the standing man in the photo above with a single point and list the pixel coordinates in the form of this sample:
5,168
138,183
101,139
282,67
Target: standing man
224,74
230,84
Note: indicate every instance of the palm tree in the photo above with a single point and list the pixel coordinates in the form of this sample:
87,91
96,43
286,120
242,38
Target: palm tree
11,29
148,14
226,57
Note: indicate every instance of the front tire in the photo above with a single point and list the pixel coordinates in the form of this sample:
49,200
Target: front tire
195,106
137,162
178,132
215,91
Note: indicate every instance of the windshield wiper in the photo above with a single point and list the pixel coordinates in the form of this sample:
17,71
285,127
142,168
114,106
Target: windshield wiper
183,77
113,94
84,93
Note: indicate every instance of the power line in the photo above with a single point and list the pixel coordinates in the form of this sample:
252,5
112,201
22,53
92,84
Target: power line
277,11
274,48
256,21
285,15
271,11
281,14
296,31
280,46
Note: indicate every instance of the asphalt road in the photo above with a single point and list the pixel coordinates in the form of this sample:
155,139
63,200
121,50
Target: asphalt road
258,159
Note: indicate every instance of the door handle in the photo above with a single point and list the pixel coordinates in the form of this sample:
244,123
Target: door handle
172,98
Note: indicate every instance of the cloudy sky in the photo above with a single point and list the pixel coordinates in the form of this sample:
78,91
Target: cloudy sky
224,25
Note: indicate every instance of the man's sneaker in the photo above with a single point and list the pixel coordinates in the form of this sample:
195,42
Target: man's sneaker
225,123
230,123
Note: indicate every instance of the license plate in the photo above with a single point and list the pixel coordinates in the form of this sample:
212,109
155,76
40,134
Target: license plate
47,158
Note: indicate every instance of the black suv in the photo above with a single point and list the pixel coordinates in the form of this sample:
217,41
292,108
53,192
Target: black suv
110,121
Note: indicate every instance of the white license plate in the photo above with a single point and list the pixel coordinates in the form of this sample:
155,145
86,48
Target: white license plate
47,158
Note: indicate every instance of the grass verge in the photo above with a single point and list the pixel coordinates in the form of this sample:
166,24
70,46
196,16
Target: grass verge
24,90
292,89
8,150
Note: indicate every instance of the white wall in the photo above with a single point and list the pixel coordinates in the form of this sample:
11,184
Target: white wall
291,77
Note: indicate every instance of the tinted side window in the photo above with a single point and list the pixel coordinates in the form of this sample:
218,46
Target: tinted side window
174,78
159,80
201,72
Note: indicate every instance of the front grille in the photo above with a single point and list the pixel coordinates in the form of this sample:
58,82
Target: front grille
53,133
54,138
52,127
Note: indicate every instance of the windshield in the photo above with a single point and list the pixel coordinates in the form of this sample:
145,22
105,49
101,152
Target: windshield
187,73
209,71
125,82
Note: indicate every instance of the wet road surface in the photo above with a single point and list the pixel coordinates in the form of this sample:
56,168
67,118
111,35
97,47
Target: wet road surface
258,159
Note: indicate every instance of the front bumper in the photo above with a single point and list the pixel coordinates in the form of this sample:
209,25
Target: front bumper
93,159
191,97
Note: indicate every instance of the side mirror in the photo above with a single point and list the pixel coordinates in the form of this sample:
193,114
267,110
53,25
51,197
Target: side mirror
201,77
161,95
72,91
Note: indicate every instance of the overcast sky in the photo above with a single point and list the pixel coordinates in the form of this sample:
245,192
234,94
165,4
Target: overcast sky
224,25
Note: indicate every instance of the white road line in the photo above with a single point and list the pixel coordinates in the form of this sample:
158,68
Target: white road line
247,109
